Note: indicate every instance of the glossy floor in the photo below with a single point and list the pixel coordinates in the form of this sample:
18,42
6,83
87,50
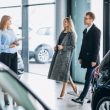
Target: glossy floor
48,91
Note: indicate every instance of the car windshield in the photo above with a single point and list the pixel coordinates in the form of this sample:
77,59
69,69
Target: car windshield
23,96
105,62
105,68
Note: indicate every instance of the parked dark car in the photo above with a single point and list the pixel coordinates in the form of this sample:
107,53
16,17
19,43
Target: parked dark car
101,86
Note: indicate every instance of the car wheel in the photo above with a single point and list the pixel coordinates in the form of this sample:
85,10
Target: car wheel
42,55
103,104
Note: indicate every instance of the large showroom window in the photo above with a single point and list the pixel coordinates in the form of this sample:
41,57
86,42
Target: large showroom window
41,30
41,35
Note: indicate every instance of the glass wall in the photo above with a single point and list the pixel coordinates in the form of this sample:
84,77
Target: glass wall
41,35
40,1
78,17
41,30
16,17
7,3
97,8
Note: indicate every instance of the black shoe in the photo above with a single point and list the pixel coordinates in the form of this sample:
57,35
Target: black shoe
78,100
88,101
6,99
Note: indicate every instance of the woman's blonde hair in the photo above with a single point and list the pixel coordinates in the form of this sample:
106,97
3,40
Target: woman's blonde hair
71,27
4,20
68,19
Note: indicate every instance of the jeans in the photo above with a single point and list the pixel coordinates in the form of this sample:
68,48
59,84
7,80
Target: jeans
88,78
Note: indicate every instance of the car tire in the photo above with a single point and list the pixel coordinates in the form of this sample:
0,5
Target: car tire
103,104
42,55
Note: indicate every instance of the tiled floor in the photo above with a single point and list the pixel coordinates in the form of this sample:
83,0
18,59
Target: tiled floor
48,91
41,69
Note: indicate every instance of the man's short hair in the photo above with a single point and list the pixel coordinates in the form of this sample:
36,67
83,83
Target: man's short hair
91,14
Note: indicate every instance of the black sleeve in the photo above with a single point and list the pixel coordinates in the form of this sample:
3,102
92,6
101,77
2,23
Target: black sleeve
81,51
96,44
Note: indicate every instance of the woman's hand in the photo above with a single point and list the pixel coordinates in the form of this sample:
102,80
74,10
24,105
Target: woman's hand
60,47
16,43
12,46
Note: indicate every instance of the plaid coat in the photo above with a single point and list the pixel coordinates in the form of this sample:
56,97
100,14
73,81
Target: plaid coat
60,65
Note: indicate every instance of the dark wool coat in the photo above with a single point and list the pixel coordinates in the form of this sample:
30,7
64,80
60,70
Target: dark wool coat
90,47
60,65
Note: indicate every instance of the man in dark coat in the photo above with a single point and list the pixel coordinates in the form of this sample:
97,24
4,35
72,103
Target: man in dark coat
89,53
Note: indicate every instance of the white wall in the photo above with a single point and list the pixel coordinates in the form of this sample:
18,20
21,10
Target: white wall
97,8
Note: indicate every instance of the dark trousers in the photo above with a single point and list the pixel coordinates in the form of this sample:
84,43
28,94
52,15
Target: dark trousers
10,60
88,78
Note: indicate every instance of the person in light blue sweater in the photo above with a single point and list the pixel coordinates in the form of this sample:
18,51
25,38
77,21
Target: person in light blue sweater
8,47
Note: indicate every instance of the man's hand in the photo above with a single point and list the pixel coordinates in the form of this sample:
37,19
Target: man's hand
93,64
96,72
80,61
60,47
97,69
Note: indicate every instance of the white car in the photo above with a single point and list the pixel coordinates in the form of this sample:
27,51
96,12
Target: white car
41,44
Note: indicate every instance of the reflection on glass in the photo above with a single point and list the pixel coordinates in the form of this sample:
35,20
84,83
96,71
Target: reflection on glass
41,38
6,3
40,1
15,13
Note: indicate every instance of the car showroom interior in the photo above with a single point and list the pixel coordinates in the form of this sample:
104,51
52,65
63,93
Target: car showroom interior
51,39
